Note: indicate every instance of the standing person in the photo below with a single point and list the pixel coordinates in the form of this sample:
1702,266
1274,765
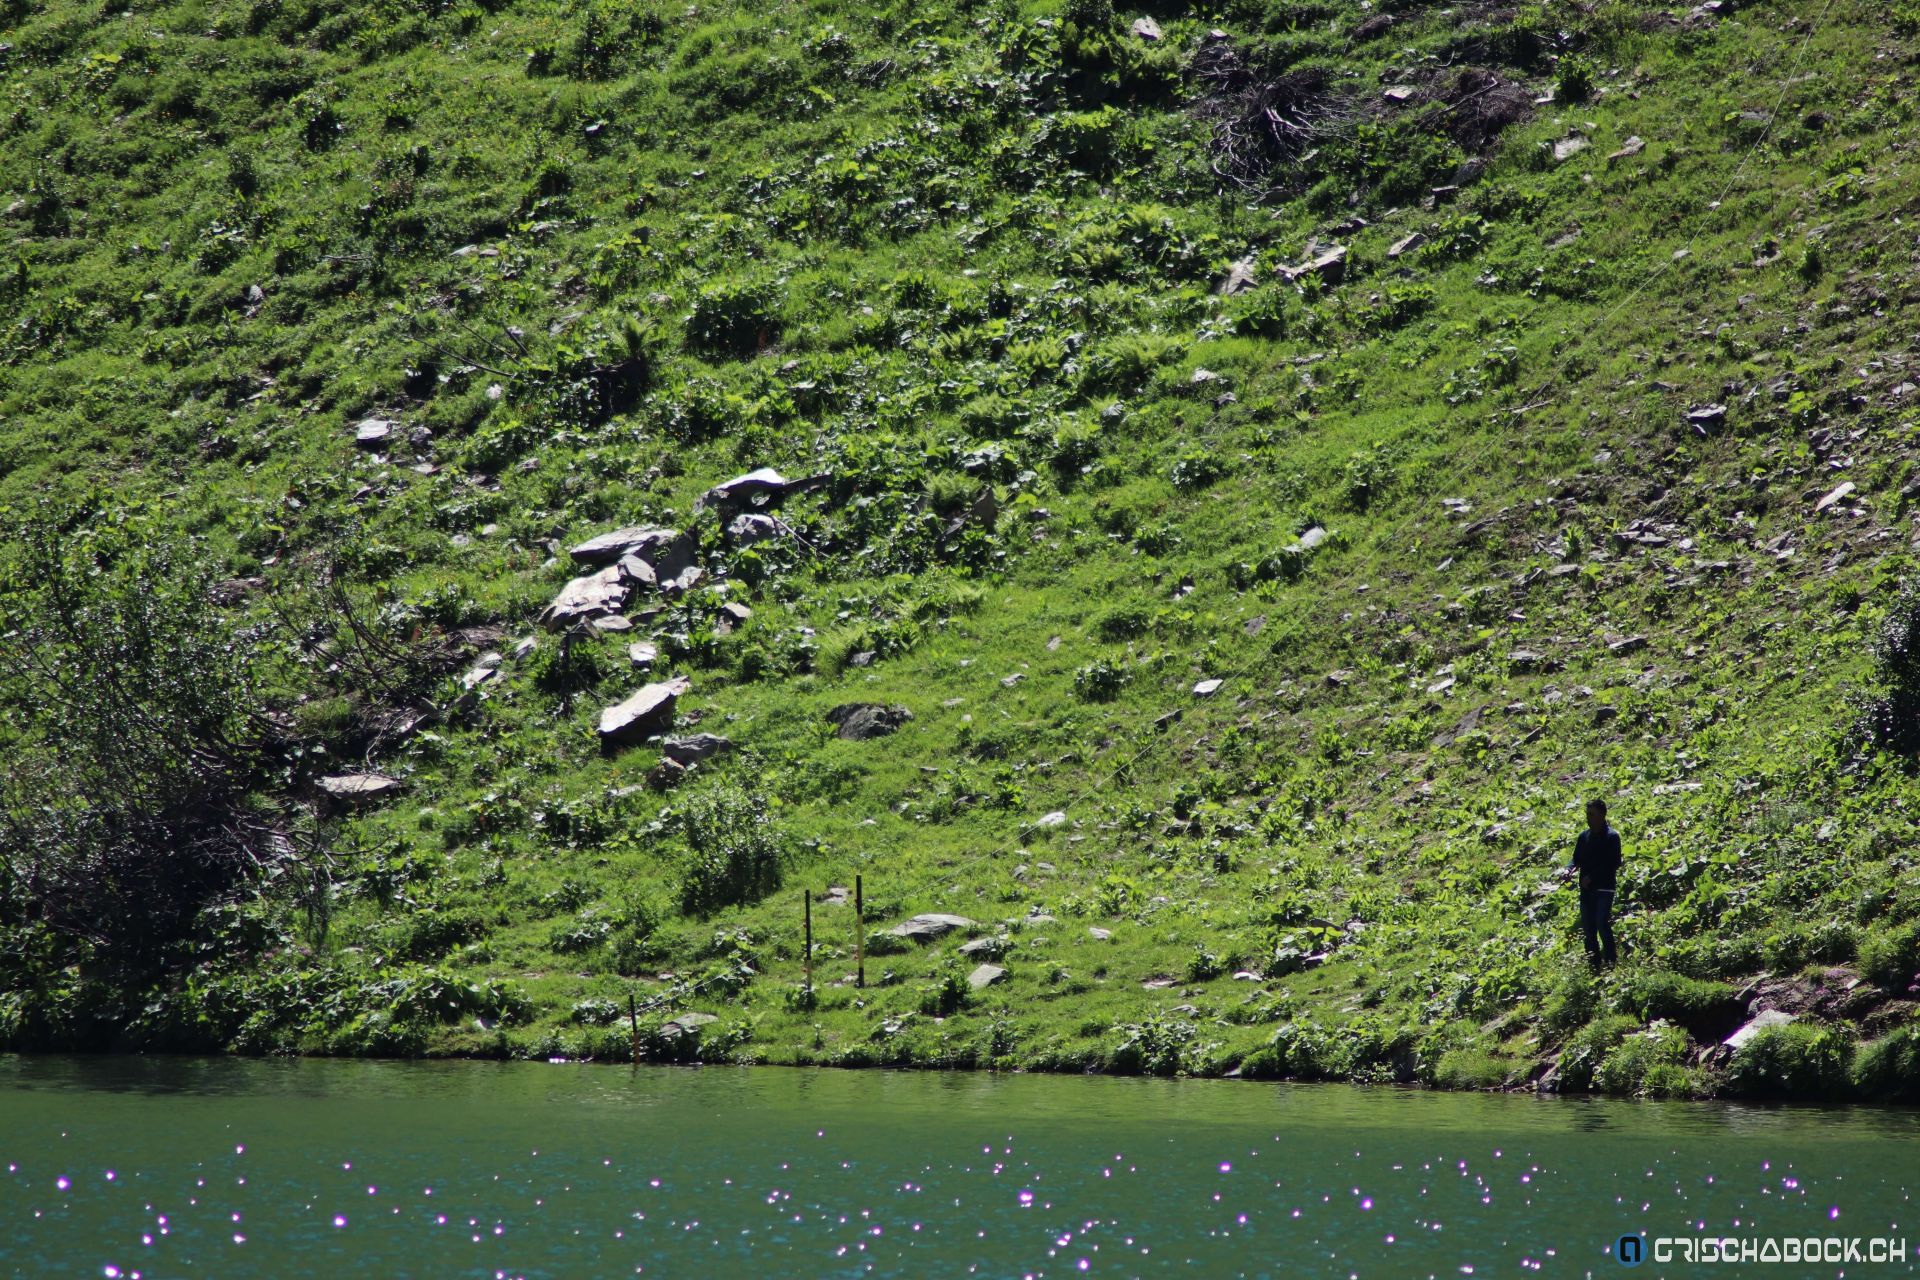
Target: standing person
1596,856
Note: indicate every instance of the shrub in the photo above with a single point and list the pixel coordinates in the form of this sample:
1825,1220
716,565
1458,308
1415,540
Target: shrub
1889,719
1888,1069
1647,1062
1891,959
734,317
1589,1046
735,855
1797,1060
1471,1069
1707,1008
1572,1003
1099,681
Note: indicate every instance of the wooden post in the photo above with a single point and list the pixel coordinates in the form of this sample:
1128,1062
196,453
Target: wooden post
859,933
633,1025
807,898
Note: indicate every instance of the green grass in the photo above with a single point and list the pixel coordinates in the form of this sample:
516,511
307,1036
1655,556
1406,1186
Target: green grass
592,261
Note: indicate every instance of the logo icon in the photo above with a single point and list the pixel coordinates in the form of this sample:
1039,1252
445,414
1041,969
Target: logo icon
1631,1250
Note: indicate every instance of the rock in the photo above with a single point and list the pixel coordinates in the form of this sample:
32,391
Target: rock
612,624
1146,29
760,489
695,748
1206,688
1398,92
595,595
1631,147
736,611
687,1022
485,669
1058,818
666,775
932,924
859,721
1604,714
645,541
985,976
1240,277
1098,934
1007,682
1406,244
1626,645
1755,1025
1379,24
1330,265
358,788
1834,495
1312,538
371,433
646,714
1706,418
1340,677
643,653
752,528
1569,147
1524,660
988,948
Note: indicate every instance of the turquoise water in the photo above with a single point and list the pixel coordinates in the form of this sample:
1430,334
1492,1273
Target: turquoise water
207,1168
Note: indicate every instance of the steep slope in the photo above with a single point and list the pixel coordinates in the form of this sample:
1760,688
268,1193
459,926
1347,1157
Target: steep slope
1504,407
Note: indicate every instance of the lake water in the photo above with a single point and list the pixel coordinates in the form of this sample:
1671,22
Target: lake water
159,1167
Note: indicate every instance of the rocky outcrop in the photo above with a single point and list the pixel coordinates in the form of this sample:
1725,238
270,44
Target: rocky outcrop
647,714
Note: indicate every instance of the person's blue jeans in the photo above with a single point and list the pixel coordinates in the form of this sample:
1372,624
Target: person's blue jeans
1596,923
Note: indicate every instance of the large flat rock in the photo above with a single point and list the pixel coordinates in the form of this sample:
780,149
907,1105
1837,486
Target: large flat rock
932,924
610,548
594,596
646,714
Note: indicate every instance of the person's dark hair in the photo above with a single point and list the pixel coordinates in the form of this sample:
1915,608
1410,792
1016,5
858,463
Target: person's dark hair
1597,803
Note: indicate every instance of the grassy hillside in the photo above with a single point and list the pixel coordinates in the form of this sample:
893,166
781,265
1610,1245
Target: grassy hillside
1505,406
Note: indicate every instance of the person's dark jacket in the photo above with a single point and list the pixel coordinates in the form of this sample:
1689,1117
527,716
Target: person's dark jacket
1596,855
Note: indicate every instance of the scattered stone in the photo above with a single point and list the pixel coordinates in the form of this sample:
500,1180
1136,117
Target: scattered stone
1098,934
1207,688
1330,265
612,624
753,527
737,611
371,433
1626,645
485,669
643,653
1377,25
1246,975
1440,686
666,775
859,721
1340,677
646,714
1406,244
1398,92
524,646
986,948
647,542
759,489
1569,147
1834,495
836,896
359,788
985,976
932,924
687,1023
1707,418
1158,984
592,596
1007,682
1524,660
695,748
1255,625
1631,147
1058,818
1604,714
1240,277
1146,29
1755,1025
